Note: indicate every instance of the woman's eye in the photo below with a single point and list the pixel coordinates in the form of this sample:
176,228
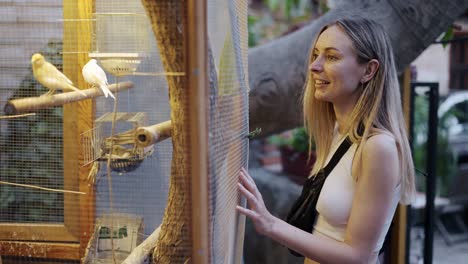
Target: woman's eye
314,56
331,57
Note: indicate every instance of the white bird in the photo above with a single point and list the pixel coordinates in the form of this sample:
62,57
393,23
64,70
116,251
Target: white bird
50,77
95,75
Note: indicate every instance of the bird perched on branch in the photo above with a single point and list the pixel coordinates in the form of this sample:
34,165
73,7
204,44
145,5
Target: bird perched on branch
50,77
95,75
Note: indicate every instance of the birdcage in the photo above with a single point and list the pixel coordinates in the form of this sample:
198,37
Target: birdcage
68,163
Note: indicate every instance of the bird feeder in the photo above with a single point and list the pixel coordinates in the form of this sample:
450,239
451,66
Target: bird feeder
120,39
125,154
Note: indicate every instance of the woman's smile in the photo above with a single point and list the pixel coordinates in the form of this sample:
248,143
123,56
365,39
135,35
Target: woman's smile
320,84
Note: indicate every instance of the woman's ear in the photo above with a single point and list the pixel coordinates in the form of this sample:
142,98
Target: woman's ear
371,68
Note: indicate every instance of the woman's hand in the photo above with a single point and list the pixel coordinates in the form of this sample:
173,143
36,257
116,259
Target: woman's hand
257,211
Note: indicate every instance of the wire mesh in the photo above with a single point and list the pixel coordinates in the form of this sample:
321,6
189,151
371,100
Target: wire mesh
228,124
30,147
141,192
32,206
33,150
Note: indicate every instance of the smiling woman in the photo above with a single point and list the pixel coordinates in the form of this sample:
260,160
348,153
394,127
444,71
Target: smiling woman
352,94
336,71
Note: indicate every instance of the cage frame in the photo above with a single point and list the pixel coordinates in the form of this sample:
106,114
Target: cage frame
197,81
78,117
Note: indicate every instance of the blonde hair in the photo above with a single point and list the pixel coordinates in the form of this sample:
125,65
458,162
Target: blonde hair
378,107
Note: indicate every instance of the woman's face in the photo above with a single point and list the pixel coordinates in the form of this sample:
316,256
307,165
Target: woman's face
335,70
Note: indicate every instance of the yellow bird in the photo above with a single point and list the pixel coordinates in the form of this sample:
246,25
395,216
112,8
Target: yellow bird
50,77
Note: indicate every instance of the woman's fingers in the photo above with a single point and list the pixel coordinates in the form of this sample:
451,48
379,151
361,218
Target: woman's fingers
245,211
251,199
247,175
250,185
250,191
256,209
245,180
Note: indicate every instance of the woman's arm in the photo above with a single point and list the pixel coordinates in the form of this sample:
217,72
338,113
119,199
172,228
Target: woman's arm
317,248
373,198
375,190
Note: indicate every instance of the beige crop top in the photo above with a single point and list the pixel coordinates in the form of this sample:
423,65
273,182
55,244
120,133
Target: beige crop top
336,198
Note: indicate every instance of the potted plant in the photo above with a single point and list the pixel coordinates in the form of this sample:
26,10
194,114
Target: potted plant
294,147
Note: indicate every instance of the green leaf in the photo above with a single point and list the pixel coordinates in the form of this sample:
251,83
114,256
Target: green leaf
448,35
254,133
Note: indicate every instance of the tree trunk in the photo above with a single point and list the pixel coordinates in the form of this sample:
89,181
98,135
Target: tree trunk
168,22
277,70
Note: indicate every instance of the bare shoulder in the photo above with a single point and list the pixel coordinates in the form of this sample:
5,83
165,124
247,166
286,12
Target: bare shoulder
380,144
380,158
376,156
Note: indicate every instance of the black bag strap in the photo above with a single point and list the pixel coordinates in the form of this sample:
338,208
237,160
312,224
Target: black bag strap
303,212
339,153
344,146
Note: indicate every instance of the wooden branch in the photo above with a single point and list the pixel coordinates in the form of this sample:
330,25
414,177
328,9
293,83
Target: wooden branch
16,116
142,253
30,104
91,247
150,135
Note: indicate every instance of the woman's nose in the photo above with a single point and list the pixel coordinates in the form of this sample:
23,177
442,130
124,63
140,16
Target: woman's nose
316,66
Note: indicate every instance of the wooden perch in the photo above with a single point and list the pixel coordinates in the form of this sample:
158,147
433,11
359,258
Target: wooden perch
142,253
31,104
16,116
149,135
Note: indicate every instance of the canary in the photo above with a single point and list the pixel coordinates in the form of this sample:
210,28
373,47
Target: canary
50,77
95,75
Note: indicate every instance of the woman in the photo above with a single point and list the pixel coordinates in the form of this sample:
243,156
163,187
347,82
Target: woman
352,82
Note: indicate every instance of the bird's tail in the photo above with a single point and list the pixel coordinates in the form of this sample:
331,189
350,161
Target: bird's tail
106,91
71,87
